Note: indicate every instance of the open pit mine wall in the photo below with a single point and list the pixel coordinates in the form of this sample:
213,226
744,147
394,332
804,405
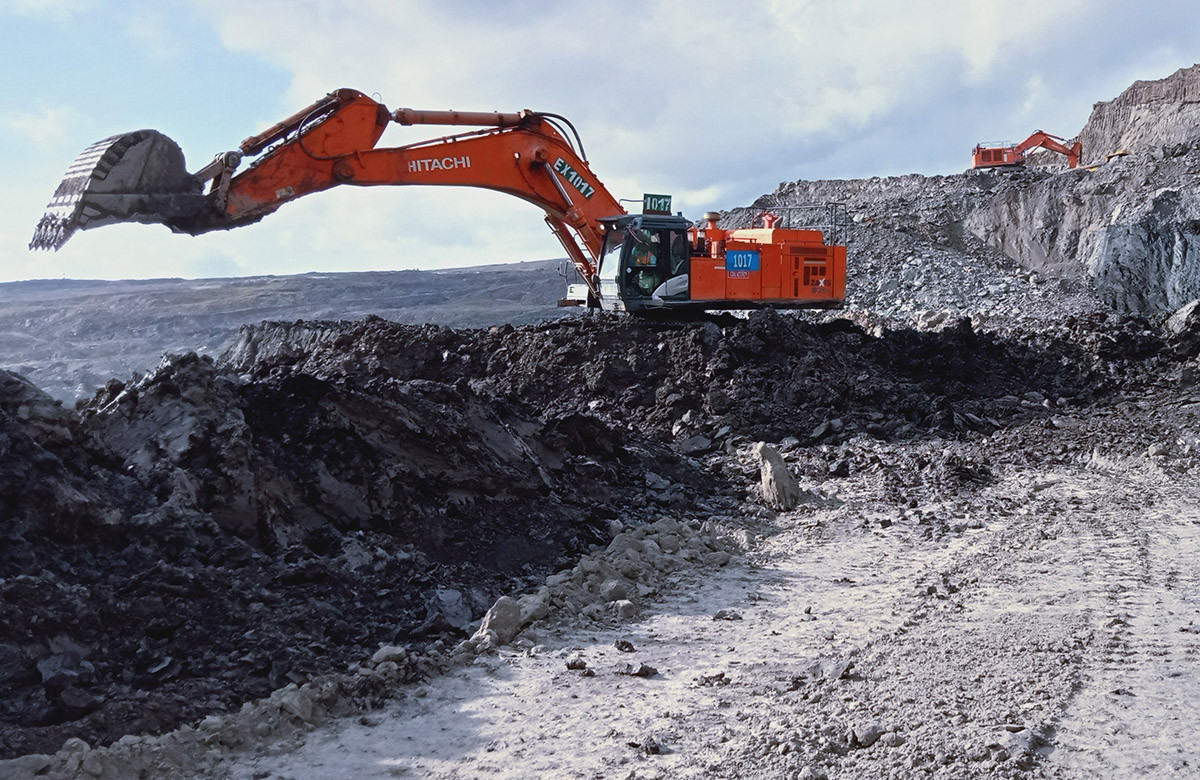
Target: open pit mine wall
1131,226
1146,116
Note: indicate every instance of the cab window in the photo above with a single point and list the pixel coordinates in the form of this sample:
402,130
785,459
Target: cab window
653,257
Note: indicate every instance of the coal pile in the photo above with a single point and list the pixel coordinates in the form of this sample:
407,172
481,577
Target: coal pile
770,376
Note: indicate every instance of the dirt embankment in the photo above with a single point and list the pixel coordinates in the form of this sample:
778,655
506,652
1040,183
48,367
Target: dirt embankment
198,538
771,376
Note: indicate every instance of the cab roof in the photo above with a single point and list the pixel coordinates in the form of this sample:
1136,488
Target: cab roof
651,221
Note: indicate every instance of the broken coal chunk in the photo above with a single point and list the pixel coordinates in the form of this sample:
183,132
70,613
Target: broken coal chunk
576,663
446,612
641,670
160,665
727,614
14,665
581,434
695,445
65,667
656,482
624,645
74,703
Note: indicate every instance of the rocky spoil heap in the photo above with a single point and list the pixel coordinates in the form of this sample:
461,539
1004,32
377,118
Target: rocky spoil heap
42,469
768,377
277,462
908,251
1128,229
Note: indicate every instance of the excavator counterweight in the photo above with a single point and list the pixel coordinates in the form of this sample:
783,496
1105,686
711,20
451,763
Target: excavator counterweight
638,263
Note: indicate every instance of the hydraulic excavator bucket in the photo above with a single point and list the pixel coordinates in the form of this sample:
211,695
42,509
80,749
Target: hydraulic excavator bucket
133,177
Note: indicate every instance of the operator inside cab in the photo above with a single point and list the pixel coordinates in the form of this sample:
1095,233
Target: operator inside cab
656,263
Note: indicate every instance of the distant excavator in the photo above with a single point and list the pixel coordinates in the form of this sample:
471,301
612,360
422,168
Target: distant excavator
1002,156
651,262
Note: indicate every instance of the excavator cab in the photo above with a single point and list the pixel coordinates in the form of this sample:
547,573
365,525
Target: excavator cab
645,263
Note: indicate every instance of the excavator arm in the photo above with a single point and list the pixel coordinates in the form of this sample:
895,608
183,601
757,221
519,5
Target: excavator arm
333,142
1052,142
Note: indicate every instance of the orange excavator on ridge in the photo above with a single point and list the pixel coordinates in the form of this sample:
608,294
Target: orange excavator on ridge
1000,156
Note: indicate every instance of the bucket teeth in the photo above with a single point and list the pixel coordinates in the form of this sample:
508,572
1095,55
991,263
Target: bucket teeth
132,177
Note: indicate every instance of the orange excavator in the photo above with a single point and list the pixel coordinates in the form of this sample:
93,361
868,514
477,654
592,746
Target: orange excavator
648,262
1000,155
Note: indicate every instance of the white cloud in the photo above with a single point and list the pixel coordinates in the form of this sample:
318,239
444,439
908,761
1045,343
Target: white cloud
44,128
149,28
860,59
655,87
58,10
1035,95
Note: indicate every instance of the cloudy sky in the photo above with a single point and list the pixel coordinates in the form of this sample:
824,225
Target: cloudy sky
713,102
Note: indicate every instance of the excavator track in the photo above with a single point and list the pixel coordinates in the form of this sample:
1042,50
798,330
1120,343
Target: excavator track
132,177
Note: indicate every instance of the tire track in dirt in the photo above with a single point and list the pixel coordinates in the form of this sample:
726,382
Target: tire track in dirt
1058,640
1135,714
958,688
